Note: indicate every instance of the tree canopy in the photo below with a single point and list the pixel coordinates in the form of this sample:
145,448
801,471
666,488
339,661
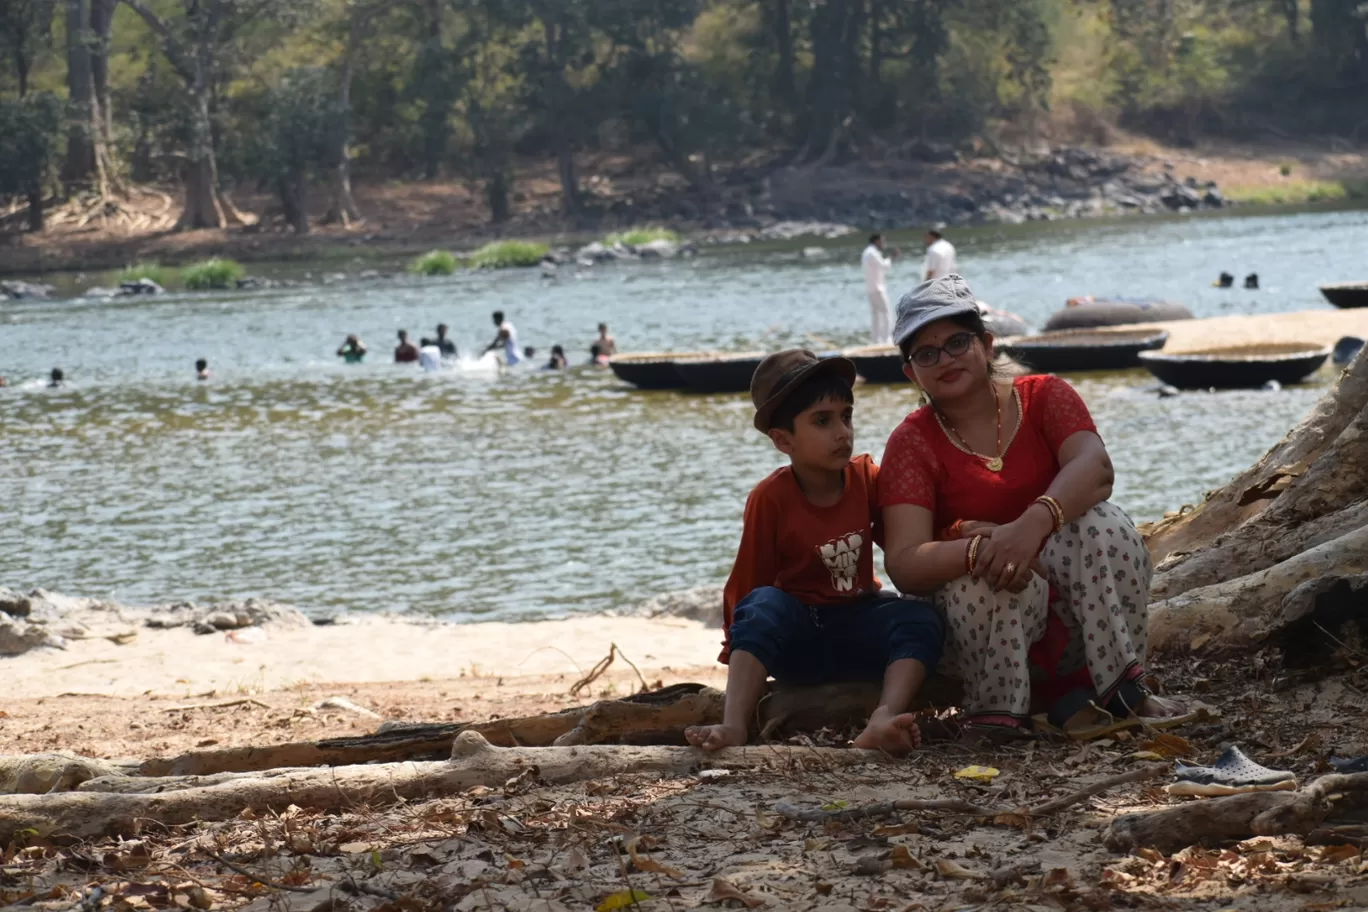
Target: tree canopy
210,93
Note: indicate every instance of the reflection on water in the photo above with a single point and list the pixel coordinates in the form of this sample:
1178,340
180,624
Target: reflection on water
466,492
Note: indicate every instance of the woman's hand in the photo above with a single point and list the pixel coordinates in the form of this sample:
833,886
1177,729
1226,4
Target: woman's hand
1005,555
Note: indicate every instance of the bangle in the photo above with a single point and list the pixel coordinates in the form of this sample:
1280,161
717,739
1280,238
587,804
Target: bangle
952,531
1056,511
971,555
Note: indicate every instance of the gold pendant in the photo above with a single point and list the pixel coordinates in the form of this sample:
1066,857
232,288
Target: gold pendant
995,464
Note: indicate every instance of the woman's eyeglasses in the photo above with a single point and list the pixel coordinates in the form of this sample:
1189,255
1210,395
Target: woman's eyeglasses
929,355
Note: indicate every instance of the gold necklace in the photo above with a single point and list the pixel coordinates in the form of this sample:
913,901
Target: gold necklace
993,463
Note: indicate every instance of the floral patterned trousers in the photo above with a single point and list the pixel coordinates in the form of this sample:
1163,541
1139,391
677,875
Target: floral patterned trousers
1099,576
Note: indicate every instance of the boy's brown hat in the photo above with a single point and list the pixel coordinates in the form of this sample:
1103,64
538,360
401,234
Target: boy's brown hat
783,372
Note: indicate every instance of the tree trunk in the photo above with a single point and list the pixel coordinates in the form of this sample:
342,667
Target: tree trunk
561,114
1249,565
785,85
101,30
35,211
292,191
202,207
79,171
496,192
342,206
835,48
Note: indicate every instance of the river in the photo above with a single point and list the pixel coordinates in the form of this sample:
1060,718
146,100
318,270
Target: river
469,495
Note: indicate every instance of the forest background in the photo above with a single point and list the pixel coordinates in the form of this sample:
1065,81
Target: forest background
301,97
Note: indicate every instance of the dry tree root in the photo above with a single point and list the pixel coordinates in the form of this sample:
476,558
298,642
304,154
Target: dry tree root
474,761
1236,817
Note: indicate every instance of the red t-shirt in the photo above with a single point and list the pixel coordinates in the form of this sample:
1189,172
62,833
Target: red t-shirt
819,555
922,466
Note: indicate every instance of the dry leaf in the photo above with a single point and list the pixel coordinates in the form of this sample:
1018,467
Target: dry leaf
622,900
1057,877
897,829
1147,755
978,773
576,860
1020,821
1150,854
650,865
954,870
1166,745
1199,641
823,889
1310,742
900,857
1338,854
722,891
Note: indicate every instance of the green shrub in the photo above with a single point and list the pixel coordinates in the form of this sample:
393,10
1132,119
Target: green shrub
164,276
435,263
635,237
506,254
215,273
1297,192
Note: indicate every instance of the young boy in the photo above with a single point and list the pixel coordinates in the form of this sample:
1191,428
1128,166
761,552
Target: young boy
803,604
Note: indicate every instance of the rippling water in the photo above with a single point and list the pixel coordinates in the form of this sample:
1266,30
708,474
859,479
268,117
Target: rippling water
468,494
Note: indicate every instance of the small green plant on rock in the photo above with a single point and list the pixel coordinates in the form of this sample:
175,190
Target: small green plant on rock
506,255
216,273
435,263
636,237
164,276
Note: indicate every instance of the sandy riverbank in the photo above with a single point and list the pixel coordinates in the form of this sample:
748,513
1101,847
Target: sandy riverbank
179,663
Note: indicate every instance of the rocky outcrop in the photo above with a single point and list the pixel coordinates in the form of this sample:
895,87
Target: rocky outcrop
43,619
16,290
701,603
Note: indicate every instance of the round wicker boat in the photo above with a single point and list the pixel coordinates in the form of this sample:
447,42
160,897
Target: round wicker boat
1095,312
719,372
877,363
1346,294
652,370
1083,349
1237,366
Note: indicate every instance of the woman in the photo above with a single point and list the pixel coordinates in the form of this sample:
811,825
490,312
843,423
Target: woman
994,499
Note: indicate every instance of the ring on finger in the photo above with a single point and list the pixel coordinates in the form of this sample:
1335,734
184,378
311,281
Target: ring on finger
1010,569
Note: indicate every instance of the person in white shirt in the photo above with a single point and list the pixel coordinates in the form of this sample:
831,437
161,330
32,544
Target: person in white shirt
507,339
876,266
940,257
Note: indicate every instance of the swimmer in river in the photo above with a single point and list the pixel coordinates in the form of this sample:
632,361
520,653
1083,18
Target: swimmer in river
444,345
597,356
606,343
57,378
352,350
202,369
405,352
558,360
506,339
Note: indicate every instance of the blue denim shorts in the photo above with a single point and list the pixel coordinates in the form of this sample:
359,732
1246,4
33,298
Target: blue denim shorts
817,644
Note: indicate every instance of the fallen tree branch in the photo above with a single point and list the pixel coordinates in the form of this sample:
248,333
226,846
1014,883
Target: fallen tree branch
242,701
1235,817
474,761
259,878
1144,773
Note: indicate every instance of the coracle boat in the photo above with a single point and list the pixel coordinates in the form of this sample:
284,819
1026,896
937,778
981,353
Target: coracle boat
1002,323
652,370
1346,350
1346,294
1089,312
1237,366
719,372
877,363
1083,349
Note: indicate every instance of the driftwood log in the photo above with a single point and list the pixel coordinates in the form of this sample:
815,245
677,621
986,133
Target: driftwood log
1236,817
657,717
1281,548
473,761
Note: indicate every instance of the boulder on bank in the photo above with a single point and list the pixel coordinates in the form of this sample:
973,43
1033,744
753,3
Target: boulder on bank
140,287
16,290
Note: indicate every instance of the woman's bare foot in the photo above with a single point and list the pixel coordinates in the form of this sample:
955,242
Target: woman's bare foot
894,733
716,737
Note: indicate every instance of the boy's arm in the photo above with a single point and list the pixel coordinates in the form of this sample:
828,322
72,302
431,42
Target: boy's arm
756,561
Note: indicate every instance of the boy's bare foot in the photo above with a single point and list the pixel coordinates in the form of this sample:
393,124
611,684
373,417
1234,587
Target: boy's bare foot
896,734
715,737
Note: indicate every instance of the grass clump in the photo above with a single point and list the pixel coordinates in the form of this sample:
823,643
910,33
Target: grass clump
1298,192
635,237
507,254
164,276
215,273
435,263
